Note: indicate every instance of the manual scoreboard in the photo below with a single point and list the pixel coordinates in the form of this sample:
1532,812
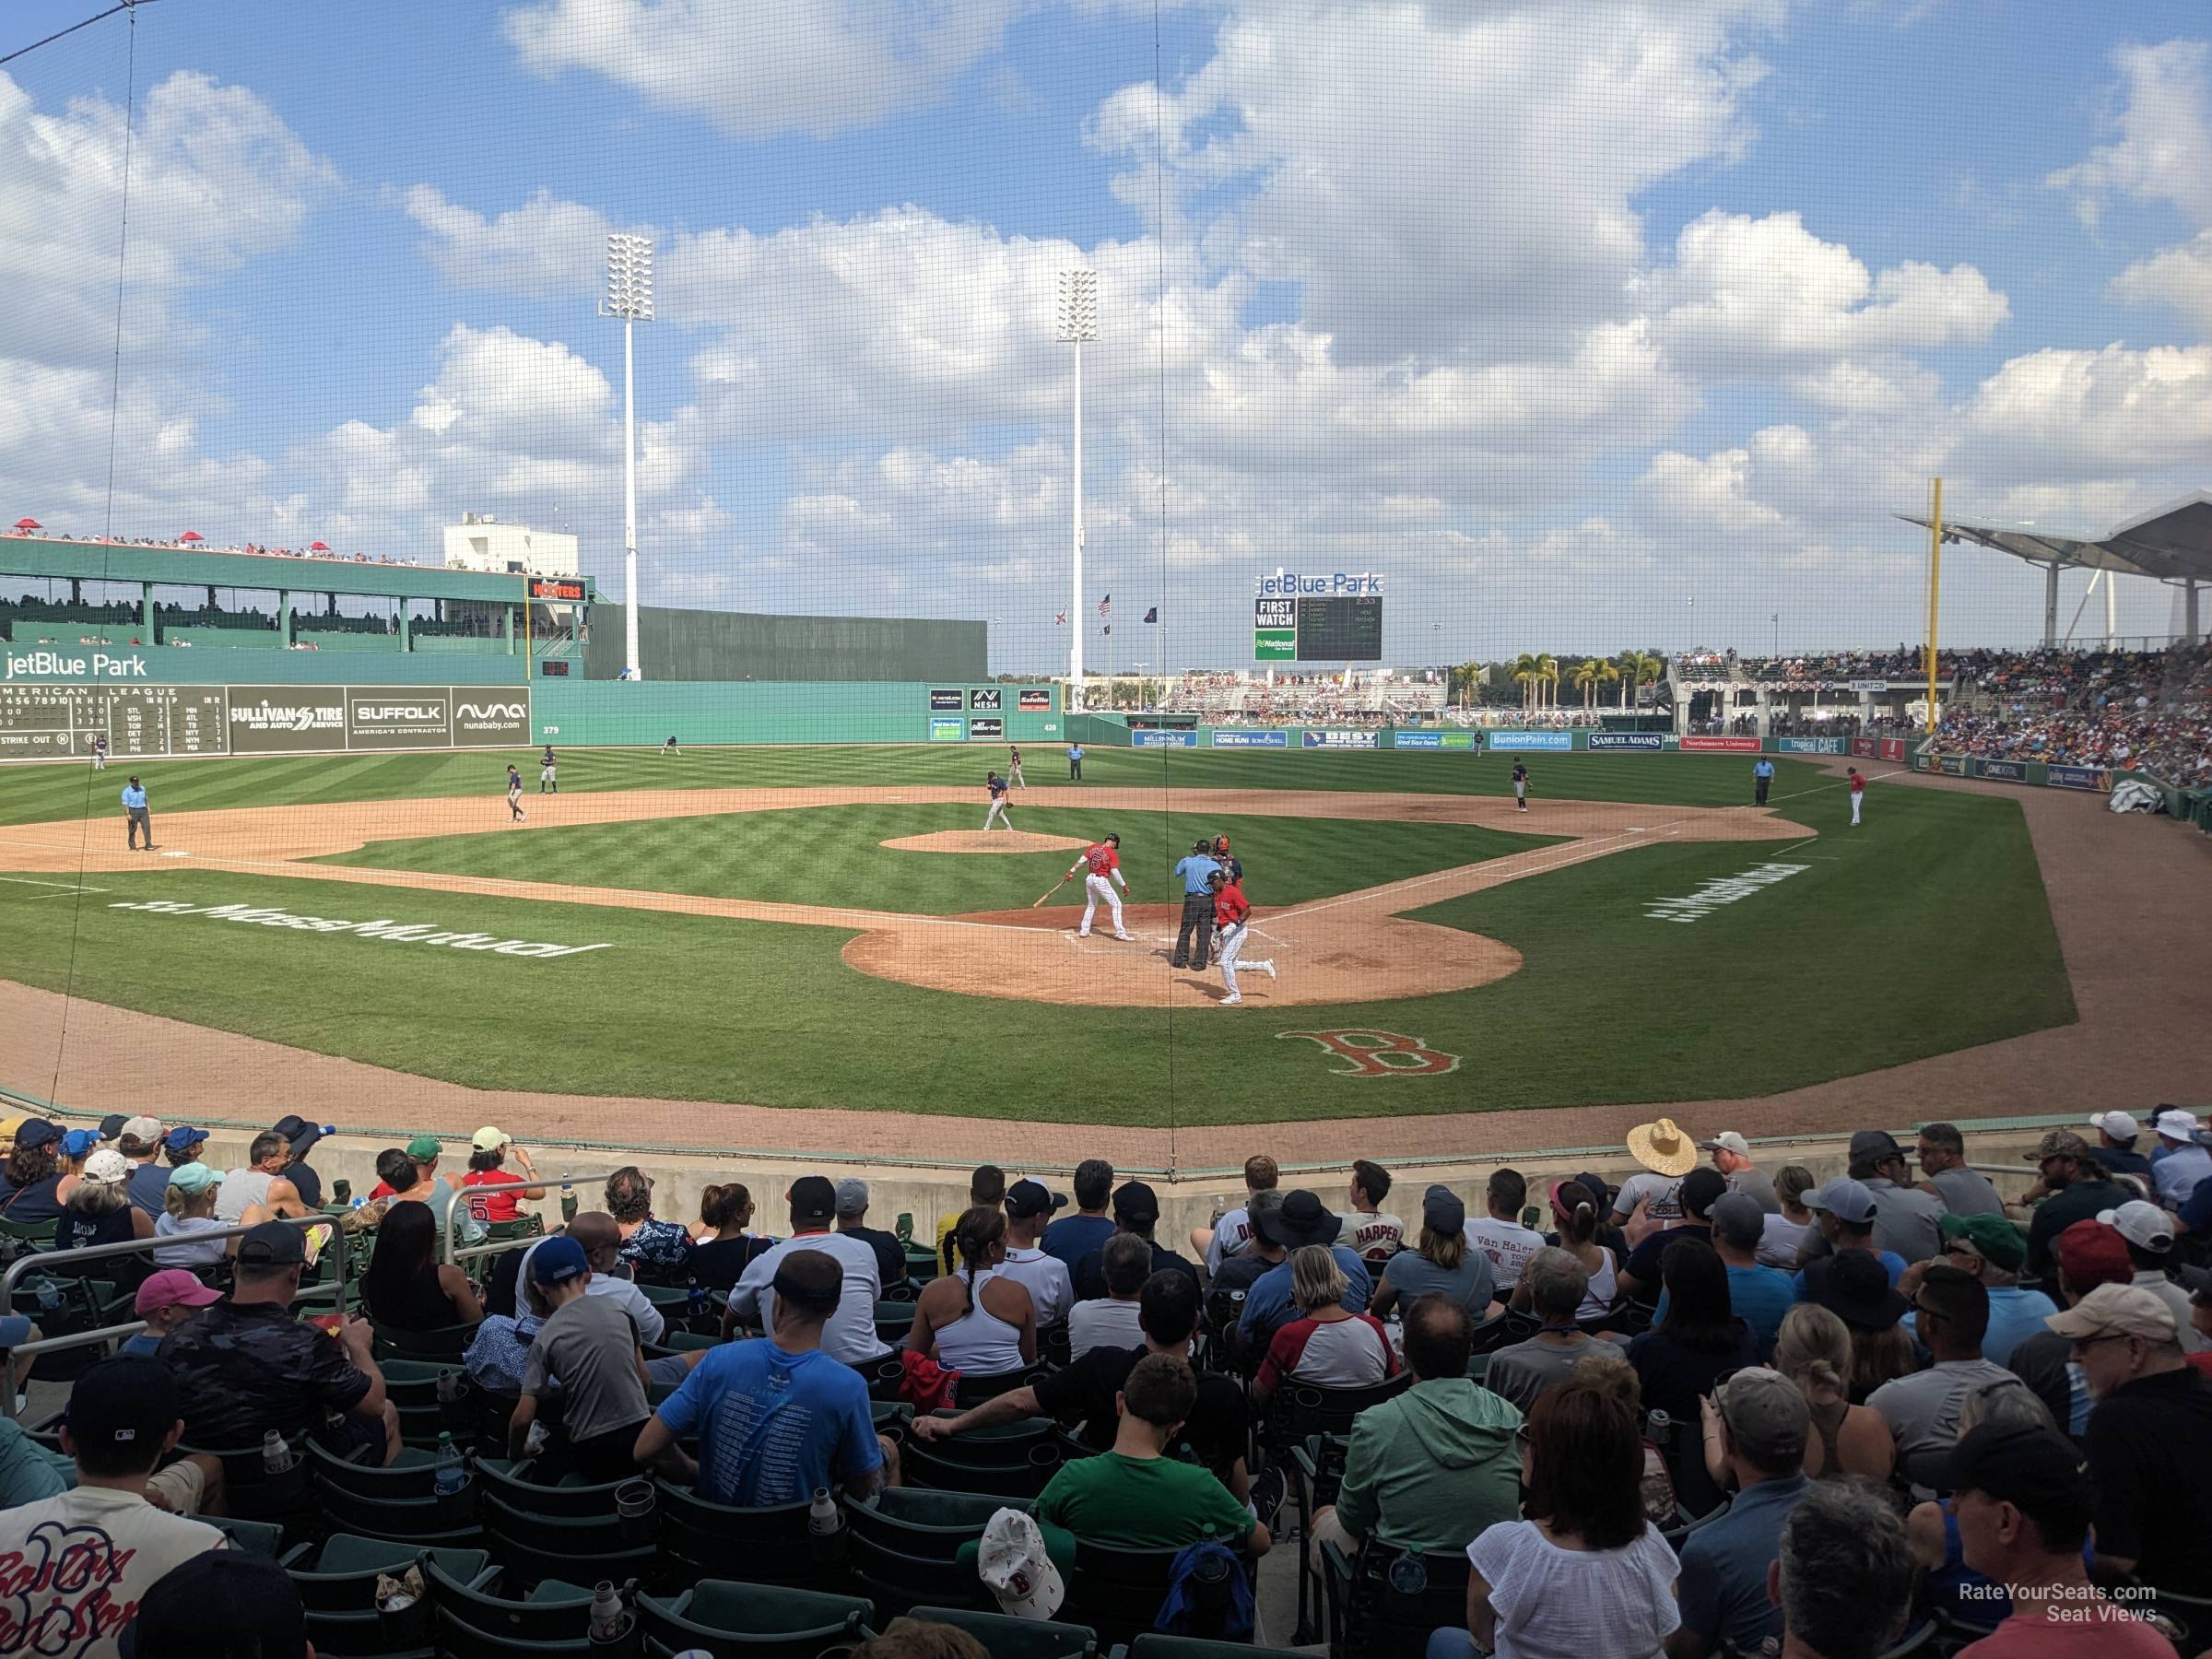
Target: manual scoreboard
1333,618
52,720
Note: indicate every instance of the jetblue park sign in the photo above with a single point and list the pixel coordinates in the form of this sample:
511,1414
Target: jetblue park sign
1336,585
63,664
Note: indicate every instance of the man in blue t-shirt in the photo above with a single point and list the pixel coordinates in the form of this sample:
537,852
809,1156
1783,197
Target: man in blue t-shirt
1300,1219
1072,1237
776,1417
1194,937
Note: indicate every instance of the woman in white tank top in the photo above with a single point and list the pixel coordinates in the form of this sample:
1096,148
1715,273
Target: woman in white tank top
1574,1208
972,1321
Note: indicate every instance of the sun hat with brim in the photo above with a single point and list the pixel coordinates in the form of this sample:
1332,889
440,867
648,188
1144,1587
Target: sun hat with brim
1303,1220
1996,1240
1662,1149
2175,1124
1855,1287
193,1178
2117,1311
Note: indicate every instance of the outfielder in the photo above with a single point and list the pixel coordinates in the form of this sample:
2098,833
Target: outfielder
1013,767
998,786
1858,791
100,751
1233,918
546,779
515,814
1104,860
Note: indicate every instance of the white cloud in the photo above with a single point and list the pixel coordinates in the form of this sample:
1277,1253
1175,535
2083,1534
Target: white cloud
545,249
2178,277
2077,414
2164,150
815,66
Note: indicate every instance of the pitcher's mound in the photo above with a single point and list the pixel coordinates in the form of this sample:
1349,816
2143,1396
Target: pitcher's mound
986,840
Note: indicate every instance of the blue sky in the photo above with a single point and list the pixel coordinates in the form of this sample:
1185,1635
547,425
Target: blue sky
1589,324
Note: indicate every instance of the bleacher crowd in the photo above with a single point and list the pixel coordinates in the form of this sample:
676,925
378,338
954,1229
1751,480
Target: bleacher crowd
1721,1409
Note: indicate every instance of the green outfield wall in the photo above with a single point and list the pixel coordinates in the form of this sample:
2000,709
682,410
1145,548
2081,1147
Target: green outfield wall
693,645
621,713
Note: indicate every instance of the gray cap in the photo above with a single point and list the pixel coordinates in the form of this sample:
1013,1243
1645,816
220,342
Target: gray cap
1737,1219
1851,1202
1766,1415
851,1197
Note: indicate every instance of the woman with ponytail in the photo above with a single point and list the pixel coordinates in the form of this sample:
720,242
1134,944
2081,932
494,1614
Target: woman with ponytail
1574,1210
972,1319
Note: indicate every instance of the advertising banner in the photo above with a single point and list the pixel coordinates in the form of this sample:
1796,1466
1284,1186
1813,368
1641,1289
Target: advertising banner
1035,702
1815,745
1951,766
1649,742
1889,749
1866,749
987,728
2081,777
1237,737
1334,740
1722,745
2008,771
1870,685
1506,743
271,720
399,717
490,718
943,700
986,700
1179,738
1462,741
948,731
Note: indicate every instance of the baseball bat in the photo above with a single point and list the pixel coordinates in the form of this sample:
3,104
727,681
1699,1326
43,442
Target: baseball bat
1047,892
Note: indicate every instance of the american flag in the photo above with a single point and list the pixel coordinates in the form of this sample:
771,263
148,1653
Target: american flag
1106,605
1060,619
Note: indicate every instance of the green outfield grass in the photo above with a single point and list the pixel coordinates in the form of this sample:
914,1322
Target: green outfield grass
1924,932
832,854
40,792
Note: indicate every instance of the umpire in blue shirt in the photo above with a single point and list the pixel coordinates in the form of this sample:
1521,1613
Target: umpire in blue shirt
133,805
1197,906
1762,775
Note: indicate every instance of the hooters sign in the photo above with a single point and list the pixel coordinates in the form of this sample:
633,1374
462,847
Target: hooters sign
1368,1053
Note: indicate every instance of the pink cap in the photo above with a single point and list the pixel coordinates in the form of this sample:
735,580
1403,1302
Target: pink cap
173,1286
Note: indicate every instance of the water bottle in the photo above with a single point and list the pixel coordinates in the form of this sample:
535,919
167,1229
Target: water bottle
448,1387
607,1622
50,1296
1661,1428
275,1456
695,1306
452,1471
825,1525
357,1204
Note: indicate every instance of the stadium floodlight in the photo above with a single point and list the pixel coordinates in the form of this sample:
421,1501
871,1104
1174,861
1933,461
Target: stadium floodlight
630,297
1076,320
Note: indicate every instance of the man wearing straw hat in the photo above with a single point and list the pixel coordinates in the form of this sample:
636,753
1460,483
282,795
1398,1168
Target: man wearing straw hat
1653,1199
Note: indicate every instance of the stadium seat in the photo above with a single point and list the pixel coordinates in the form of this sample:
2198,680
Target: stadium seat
1298,1411
1013,1460
476,1621
412,1387
398,1501
1006,1637
769,1544
1384,1603
444,1346
905,1540
750,1621
894,1321
885,1375
1495,1331
562,1533
1118,1593
337,1586
1316,1469
252,1494
256,1538
972,1390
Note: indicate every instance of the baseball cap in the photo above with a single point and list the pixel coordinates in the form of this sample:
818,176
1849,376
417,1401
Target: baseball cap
489,1139
146,1131
272,1244
2175,1124
851,1197
182,1136
1874,1146
195,1178
2117,1311
2141,1224
1014,1567
1134,1200
2059,1143
1027,1198
301,1132
1737,1219
2090,1253
106,1167
1765,1411
2117,1125
556,1261
1996,1240
171,1287
248,1598
77,1143
2035,1469
425,1147
1849,1201
1444,1211
112,1125
128,1402
1728,1140
37,1131
812,1198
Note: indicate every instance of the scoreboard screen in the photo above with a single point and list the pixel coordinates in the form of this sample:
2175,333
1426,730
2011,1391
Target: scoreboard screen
1333,629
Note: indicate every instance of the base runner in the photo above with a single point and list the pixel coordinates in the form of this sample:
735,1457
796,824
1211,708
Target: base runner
1232,920
515,814
1104,861
998,786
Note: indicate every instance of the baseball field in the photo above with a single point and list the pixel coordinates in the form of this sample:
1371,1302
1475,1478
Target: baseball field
826,928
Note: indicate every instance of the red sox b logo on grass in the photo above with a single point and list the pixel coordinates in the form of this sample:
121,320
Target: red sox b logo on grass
1380,1053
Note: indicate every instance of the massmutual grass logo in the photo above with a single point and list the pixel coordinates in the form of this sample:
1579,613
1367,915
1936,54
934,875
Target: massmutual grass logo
398,933
1380,1053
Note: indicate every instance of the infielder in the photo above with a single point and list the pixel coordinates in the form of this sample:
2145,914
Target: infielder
100,751
669,748
998,786
1520,787
1233,916
1104,859
1013,767
546,779
514,796
1858,791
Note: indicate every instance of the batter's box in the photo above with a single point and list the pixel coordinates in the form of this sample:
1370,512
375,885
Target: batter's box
1380,1053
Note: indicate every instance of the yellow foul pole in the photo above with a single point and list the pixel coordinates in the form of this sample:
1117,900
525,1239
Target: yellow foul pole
1934,590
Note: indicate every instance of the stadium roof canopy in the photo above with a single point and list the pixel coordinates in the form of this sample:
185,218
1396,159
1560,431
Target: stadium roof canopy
2171,544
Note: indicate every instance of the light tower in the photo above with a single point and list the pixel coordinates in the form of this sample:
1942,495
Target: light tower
628,297
1076,320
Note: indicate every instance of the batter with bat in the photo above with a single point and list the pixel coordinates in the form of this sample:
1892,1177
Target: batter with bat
1103,859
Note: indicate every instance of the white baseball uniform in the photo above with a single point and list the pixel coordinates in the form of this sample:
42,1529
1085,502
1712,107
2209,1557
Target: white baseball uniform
1105,862
998,806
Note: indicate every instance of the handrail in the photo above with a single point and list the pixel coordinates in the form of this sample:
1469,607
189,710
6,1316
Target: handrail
40,1262
450,1252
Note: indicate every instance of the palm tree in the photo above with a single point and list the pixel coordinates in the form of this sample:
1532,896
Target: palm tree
1528,669
1638,668
1590,674
1547,673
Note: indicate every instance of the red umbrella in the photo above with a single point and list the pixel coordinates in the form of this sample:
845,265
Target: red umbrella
318,547
192,536
28,523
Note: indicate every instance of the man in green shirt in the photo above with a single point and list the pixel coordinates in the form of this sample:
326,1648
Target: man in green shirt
1135,1496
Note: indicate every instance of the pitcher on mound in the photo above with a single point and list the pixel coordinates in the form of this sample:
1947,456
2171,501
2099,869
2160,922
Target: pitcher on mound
1232,925
1103,859
998,786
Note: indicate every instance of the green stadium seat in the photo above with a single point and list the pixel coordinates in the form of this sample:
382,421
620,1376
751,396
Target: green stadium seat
769,1544
1013,1460
905,1541
444,1346
1006,1637
751,1621
337,1586
397,1501
1377,1610
476,1620
538,1533
257,1537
